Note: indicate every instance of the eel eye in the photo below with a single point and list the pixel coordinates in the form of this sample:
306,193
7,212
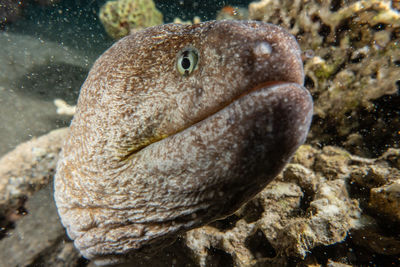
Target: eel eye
187,61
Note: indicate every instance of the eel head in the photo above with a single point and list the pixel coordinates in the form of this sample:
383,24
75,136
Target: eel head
177,126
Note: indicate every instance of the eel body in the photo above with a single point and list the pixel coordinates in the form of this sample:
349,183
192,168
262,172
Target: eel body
177,126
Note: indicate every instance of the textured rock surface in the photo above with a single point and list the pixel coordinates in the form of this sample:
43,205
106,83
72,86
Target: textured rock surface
312,204
28,168
38,235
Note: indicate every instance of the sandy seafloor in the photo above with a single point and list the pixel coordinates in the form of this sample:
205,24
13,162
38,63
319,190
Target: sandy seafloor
47,54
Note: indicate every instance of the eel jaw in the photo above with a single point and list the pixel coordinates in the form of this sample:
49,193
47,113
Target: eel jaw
132,151
237,150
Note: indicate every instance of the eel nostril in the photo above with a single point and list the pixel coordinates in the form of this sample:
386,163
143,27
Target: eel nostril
262,49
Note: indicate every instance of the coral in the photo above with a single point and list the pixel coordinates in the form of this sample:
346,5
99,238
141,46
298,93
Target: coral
63,108
122,17
351,59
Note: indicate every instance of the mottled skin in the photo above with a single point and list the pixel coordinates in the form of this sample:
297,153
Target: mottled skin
152,153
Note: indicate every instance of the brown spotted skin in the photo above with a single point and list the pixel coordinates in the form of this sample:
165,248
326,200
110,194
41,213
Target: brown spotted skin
152,153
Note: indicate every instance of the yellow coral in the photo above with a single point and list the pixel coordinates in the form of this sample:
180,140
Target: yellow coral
122,17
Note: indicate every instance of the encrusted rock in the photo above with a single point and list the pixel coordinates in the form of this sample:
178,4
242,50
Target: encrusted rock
386,200
38,238
303,209
27,168
351,61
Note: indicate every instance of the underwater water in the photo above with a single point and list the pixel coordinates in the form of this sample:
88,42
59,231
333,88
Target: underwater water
337,203
65,38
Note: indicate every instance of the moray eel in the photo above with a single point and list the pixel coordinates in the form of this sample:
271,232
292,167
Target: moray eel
177,126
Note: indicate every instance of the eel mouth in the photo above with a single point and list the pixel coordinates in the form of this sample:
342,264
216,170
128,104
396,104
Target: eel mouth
257,87
265,86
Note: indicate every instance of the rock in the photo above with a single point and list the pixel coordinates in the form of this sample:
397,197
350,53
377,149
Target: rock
393,156
372,238
385,200
38,235
28,168
333,163
304,208
305,155
336,264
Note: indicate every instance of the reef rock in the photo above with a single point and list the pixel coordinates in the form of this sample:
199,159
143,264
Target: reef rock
314,204
27,168
352,63
38,238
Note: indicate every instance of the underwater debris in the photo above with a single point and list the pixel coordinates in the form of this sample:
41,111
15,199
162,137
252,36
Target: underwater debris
63,108
195,20
10,10
233,12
